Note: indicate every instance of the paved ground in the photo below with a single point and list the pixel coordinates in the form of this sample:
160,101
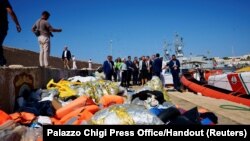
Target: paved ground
188,100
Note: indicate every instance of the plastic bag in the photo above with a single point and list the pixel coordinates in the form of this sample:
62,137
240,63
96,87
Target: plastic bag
32,134
125,114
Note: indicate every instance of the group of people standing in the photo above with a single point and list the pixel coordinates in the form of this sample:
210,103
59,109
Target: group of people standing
139,71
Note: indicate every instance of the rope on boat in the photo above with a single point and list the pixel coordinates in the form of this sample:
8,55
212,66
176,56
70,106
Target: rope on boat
233,107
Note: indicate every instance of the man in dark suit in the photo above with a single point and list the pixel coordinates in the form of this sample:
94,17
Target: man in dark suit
157,65
129,64
66,57
174,66
108,68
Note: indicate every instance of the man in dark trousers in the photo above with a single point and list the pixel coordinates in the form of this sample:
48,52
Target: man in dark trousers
108,68
157,65
5,9
129,64
174,66
66,57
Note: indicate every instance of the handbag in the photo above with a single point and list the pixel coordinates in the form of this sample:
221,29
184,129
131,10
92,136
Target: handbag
37,31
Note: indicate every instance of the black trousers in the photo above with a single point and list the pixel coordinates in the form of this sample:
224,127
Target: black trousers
2,59
124,78
135,77
176,80
129,75
108,76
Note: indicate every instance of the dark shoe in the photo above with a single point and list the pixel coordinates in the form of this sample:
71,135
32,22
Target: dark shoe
40,66
179,90
3,66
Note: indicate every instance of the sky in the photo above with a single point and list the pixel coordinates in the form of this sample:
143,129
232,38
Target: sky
93,29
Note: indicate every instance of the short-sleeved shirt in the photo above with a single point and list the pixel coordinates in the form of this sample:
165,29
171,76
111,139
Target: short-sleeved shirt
4,15
43,26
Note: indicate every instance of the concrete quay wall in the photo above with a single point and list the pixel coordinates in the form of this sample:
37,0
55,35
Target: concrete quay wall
27,58
13,81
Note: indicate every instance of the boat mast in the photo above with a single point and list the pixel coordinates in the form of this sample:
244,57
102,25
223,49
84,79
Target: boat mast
166,51
178,44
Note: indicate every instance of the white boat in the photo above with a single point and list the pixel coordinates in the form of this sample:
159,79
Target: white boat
166,78
236,82
188,63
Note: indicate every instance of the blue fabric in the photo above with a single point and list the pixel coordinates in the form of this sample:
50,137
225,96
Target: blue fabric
156,111
206,121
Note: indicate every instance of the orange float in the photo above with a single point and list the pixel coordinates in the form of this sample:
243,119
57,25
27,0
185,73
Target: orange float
75,104
213,92
4,117
108,100
79,114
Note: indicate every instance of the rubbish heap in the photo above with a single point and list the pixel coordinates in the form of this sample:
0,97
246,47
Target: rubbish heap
93,101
